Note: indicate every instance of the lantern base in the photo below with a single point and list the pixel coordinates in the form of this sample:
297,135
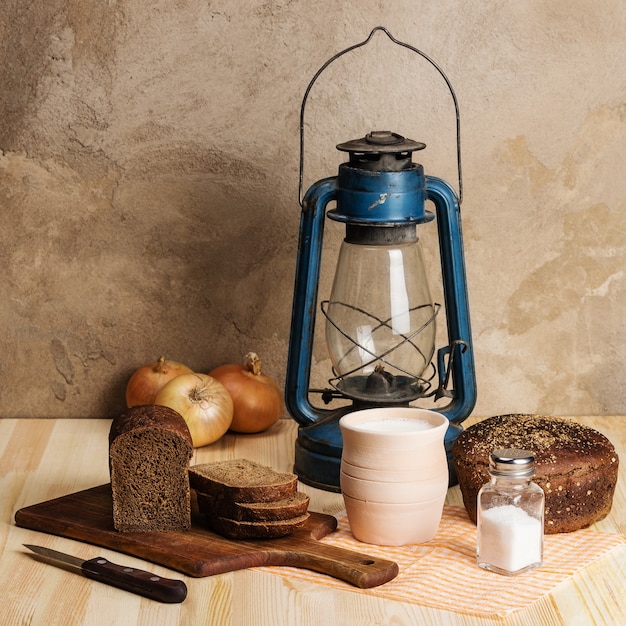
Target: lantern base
317,470
318,452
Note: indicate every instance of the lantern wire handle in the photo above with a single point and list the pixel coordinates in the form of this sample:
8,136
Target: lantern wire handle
359,45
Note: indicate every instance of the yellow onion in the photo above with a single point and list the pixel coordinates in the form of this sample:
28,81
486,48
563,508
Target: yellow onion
257,400
146,382
204,403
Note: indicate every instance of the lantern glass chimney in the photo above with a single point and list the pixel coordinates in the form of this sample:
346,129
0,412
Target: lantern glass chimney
380,317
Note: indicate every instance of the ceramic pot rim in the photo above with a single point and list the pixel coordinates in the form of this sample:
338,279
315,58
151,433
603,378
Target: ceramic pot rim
355,422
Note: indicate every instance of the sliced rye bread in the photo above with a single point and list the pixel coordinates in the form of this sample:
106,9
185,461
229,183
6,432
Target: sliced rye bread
234,529
241,499
242,481
281,510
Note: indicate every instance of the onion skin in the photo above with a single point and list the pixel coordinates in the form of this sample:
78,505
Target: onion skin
204,403
146,382
257,400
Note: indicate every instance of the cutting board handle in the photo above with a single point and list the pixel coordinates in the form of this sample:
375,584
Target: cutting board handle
362,570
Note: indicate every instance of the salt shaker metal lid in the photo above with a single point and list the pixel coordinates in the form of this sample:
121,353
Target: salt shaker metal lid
511,462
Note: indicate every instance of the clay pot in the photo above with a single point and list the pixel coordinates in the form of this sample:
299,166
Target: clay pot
394,474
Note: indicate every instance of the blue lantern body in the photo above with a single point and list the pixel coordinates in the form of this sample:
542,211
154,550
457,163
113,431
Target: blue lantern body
380,194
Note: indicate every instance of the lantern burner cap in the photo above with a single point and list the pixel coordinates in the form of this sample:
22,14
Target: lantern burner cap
381,142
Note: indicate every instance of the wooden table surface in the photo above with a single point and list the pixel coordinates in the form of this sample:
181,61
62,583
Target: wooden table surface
42,459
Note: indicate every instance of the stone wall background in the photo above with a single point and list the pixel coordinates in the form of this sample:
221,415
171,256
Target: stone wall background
149,171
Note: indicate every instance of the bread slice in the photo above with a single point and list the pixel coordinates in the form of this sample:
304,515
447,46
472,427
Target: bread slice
234,529
149,452
286,509
242,481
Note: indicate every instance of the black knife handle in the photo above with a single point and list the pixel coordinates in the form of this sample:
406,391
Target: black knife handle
135,580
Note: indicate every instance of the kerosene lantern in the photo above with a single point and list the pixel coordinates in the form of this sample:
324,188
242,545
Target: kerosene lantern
380,318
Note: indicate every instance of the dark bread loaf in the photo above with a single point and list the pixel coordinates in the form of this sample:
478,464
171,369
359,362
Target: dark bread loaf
285,509
149,451
234,529
240,480
576,466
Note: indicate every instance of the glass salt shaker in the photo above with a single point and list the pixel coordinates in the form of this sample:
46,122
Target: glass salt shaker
510,515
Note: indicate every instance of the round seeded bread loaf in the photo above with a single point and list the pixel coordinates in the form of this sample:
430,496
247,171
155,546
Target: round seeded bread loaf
575,465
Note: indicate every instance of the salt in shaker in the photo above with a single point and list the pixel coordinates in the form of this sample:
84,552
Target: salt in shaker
510,515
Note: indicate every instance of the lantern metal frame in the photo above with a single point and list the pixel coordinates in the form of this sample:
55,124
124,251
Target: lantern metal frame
319,443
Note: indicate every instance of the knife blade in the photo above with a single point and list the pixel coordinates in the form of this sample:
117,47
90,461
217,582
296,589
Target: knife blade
128,578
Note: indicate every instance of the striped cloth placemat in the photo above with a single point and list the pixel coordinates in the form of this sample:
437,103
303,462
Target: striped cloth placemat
443,572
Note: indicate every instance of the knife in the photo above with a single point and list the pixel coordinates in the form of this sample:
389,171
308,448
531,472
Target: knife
128,578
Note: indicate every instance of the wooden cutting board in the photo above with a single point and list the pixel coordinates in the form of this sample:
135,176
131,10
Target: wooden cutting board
88,516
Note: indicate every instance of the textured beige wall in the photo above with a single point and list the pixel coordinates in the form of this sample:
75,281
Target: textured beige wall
148,183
